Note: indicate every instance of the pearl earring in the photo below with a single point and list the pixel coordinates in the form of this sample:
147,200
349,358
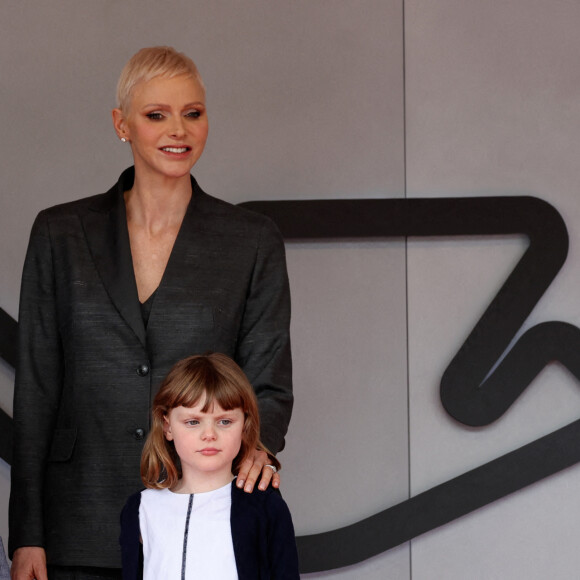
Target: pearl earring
123,140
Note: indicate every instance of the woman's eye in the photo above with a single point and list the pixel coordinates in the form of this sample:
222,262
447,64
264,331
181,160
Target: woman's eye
154,116
193,114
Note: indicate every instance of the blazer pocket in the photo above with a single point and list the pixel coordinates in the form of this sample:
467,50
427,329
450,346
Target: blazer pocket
63,443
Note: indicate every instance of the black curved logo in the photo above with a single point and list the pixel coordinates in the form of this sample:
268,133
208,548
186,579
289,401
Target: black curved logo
9,352
473,389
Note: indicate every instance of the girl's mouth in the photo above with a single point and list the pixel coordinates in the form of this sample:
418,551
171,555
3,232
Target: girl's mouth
209,451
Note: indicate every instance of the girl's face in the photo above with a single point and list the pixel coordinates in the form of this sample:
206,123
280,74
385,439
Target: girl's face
206,443
166,125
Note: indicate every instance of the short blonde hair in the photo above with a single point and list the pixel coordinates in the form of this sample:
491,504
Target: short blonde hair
220,380
149,63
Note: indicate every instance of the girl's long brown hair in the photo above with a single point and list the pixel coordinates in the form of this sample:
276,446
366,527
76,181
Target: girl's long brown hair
222,381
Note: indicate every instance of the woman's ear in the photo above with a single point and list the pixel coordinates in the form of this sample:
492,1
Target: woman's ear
167,429
120,124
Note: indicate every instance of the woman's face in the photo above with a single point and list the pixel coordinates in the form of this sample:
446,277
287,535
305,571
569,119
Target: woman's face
166,125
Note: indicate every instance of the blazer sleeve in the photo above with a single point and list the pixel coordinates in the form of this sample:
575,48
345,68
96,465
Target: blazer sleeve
263,348
37,390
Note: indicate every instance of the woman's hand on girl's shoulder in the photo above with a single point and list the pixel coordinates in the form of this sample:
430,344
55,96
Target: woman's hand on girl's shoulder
251,469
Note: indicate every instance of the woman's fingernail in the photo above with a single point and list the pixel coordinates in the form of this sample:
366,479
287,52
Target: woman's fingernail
240,483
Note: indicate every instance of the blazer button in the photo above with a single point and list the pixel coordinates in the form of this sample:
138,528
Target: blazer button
142,370
139,434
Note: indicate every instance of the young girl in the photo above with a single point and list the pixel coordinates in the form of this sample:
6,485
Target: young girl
191,522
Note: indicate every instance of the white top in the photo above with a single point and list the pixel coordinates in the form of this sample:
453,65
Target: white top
187,536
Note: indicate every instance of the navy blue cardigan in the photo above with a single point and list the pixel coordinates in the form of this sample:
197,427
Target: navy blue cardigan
262,534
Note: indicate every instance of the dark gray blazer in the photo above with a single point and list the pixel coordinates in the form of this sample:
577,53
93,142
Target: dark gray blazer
89,369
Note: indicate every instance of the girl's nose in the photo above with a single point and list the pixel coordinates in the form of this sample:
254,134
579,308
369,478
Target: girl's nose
209,433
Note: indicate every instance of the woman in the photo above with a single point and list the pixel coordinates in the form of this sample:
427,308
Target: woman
116,288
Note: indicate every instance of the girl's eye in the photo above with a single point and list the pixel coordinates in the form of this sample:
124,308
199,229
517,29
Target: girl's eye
226,422
192,422
154,116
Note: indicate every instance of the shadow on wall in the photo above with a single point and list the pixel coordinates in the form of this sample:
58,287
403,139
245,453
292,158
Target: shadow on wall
470,392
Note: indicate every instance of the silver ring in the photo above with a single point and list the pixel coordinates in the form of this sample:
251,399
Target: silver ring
272,467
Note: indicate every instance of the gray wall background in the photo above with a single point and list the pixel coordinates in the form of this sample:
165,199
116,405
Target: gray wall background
336,99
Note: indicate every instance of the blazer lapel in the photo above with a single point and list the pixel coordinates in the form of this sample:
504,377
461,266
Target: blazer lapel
105,226
187,241
179,282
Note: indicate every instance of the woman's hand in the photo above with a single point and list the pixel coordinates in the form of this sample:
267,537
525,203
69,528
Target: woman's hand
28,563
251,469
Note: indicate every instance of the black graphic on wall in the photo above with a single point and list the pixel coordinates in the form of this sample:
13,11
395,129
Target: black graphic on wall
467,392
8,351
475,389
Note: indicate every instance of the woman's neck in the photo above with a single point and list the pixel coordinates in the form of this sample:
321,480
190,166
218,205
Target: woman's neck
160,206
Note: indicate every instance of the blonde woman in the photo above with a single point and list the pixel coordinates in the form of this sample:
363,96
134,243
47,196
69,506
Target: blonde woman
116,288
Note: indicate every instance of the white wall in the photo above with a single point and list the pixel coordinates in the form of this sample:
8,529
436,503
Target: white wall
336,99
